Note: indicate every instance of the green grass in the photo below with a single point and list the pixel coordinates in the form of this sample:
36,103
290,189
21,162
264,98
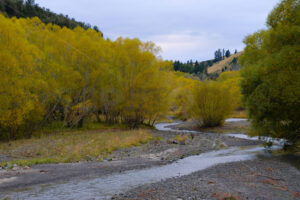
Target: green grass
71,146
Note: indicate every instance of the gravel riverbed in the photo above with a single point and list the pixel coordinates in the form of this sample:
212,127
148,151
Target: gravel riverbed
262,178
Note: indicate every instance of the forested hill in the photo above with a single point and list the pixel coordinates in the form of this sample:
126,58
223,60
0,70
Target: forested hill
227,64
28,8
211,69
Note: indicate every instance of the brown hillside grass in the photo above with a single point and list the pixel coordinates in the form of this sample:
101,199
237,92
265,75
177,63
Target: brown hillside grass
217,68
68,147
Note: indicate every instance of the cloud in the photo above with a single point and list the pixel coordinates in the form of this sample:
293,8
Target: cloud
185,45
185,29
194,45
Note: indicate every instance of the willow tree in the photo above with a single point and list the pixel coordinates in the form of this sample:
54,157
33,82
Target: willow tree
144,82
55,74
20,108
211,104
231,81
271,74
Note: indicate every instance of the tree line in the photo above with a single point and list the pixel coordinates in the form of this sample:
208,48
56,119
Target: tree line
222,54
28,8
53,74
192,67
201,67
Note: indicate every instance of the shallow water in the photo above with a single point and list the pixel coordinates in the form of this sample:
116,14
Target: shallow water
265,139
236,120
105,187
168,127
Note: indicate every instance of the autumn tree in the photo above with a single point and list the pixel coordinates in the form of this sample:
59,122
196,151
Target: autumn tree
55,74
231,80
271,74
21,82
210,104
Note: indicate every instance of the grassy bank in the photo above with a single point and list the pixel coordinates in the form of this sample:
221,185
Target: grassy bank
239,114
71,146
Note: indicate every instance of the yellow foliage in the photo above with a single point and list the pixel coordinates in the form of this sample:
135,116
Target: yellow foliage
19,103
231,81
51,73
183,95
211,103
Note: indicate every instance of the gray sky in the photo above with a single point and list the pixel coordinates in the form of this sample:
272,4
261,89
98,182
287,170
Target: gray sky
184,29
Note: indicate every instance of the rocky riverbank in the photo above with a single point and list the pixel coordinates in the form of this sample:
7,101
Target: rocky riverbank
265,178
260,179
230,179
169,147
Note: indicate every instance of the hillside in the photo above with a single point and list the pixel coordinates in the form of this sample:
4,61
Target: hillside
28,8
224,65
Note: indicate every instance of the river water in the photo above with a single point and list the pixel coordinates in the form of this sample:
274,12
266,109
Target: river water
105,187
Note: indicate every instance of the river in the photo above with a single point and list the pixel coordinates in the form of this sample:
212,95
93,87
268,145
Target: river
106,186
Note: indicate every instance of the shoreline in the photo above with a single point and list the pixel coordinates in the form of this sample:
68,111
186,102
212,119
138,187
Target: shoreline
155,153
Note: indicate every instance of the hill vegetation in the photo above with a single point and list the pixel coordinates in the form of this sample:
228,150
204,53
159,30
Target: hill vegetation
228,64
28,8
210,69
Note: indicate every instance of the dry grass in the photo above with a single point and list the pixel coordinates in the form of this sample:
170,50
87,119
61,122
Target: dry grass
229,128
68,147
181,138
164,120
217,68
239,114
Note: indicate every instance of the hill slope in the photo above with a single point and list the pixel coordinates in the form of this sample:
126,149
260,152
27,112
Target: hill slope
28,8
227,62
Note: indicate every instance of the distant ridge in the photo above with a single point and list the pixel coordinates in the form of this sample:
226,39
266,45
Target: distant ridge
225,65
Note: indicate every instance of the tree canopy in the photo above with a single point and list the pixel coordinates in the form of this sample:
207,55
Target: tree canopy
53,74
271,74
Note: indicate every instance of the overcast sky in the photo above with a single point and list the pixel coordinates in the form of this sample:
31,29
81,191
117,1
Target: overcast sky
184,29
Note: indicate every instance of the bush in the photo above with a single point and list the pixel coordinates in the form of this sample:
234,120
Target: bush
231,80
211,104
271,74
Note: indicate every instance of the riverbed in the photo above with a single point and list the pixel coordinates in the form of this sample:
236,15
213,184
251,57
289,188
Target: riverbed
159,170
